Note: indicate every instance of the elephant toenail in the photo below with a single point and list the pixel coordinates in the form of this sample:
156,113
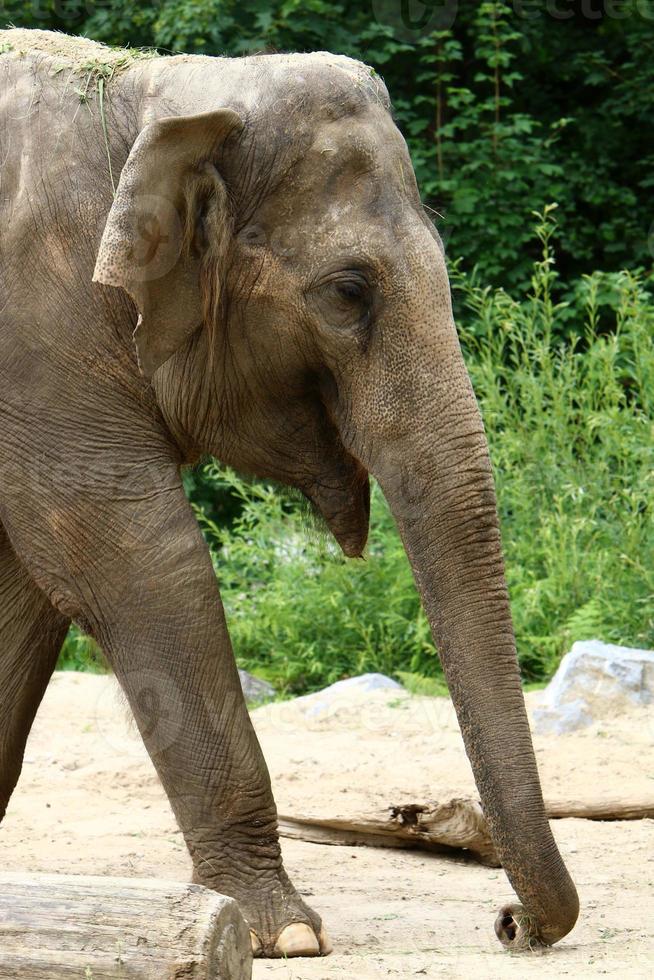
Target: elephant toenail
298,939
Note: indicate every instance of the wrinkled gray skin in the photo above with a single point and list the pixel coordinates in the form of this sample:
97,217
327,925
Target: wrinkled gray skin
295,323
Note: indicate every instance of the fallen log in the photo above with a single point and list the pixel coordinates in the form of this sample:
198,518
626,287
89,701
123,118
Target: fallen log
601,809
455,827
60,927
448,828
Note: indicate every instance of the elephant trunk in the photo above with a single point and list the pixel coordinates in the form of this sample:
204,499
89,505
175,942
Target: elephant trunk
440,489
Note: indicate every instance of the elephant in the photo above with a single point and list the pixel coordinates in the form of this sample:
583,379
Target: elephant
228,257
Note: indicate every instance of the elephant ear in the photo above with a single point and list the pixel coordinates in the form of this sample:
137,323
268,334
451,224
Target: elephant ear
151,242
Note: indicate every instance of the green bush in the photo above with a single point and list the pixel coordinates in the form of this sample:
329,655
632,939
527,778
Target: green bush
571,431
80,652
300,613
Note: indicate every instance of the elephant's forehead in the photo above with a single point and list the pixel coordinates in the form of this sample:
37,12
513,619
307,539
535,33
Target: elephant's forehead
319,79
350,187
369,137
366,217
339,150
351,163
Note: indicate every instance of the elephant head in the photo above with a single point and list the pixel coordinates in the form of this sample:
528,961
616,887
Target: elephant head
296,322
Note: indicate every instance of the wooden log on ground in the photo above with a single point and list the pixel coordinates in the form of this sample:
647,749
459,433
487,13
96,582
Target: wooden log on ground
447,828
605,809
60,927
451,827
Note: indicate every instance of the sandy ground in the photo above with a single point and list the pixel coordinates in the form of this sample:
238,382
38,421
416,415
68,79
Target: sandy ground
89,802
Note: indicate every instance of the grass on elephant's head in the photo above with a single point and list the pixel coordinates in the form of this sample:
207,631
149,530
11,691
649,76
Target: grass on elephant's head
566,391
80,55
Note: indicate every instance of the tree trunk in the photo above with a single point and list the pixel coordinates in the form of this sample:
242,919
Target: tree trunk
56,927
442,828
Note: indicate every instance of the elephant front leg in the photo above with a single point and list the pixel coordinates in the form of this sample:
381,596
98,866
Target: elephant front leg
31,635
180,678
168,643
139,578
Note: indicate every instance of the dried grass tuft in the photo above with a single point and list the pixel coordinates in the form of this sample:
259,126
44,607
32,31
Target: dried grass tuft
80,55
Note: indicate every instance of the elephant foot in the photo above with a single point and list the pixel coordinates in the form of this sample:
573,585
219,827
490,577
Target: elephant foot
516,929
296,939
281,923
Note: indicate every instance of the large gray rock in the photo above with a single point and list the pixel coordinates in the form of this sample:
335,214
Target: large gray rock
343,691
595,680
255,689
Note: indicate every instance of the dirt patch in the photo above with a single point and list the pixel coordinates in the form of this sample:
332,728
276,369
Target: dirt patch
89,802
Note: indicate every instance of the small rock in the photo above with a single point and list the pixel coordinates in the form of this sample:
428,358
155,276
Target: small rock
342,691
595,680
255,689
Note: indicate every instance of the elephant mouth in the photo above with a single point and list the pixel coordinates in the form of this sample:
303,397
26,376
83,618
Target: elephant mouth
344,504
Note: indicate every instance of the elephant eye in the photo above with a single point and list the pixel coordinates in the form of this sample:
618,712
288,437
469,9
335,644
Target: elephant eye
351,290
343,300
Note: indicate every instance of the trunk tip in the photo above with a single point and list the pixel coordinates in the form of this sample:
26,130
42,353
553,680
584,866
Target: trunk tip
517,930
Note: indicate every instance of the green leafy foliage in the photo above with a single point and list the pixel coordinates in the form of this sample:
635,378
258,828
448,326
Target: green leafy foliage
80,652
572,442
301,614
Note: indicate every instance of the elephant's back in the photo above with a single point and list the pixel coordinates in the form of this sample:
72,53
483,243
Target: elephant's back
55,193
52,53
58,122
60,106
